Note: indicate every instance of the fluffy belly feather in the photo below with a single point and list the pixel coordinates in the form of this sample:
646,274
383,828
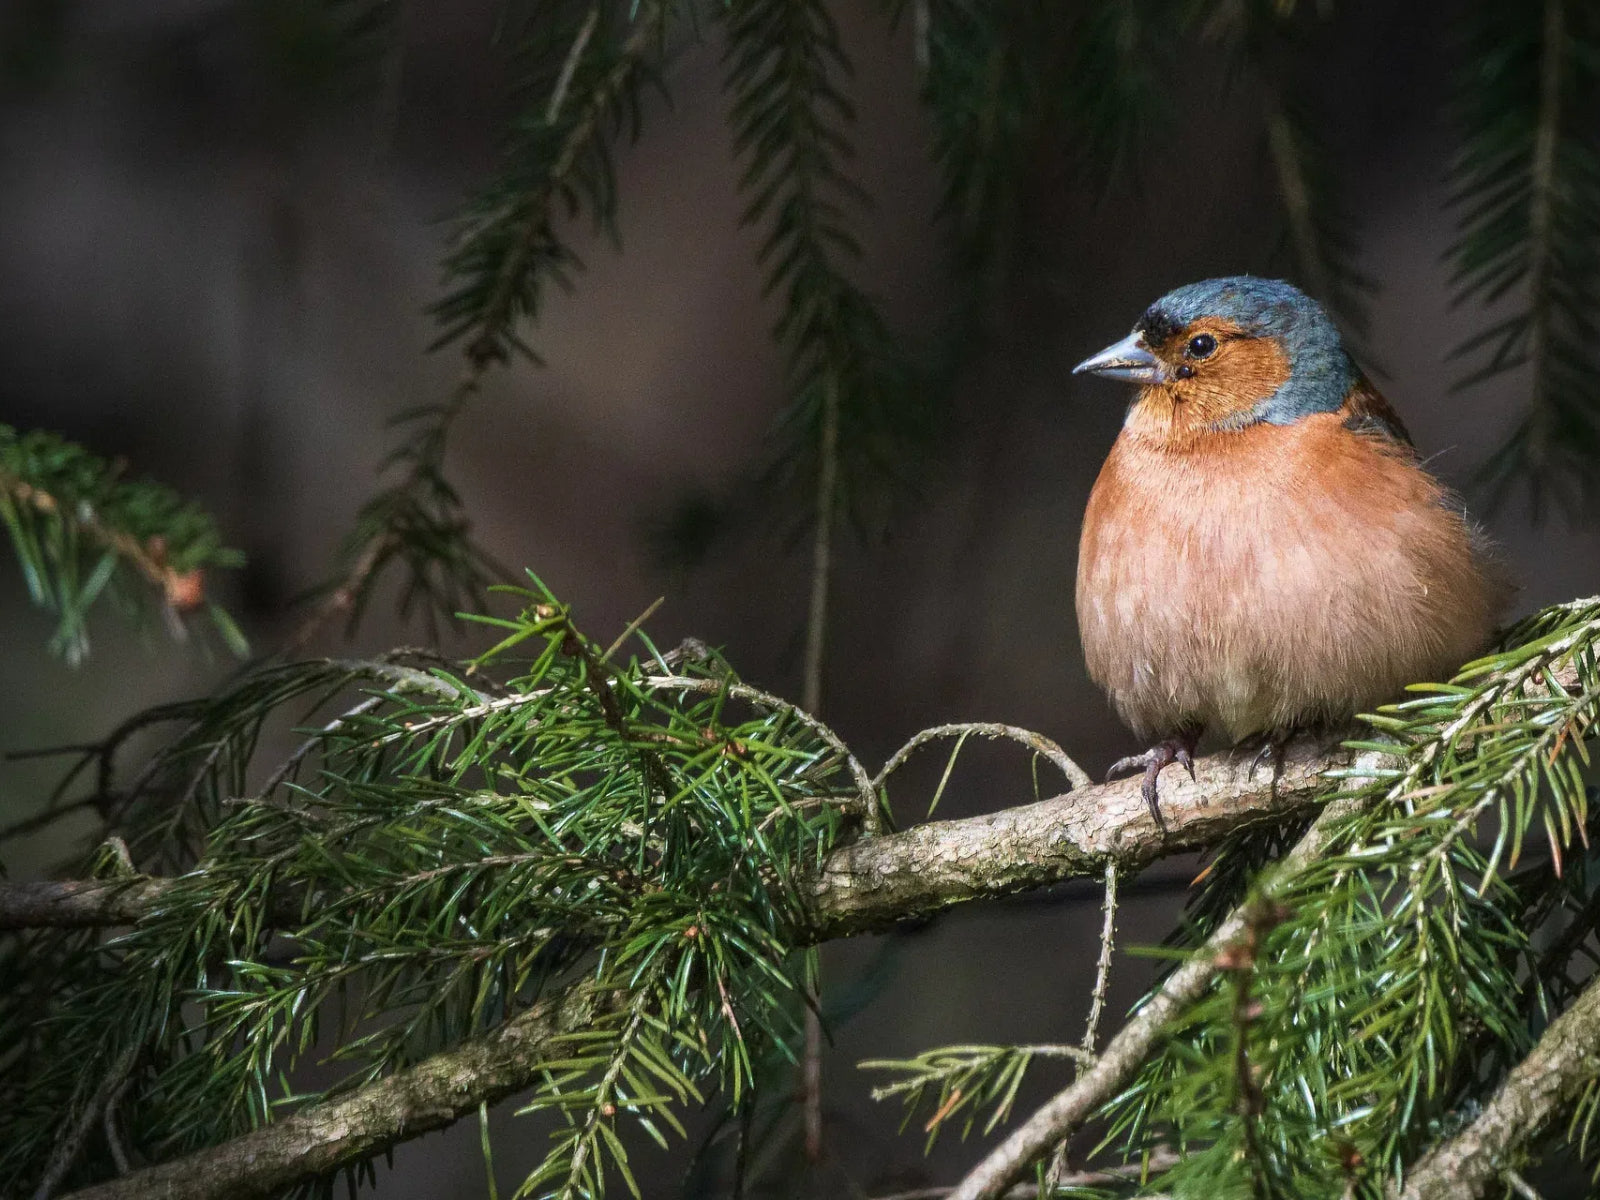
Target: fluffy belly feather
1285,575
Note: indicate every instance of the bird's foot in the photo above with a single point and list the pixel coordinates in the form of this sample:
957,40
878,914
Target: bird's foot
1265,746
1178,749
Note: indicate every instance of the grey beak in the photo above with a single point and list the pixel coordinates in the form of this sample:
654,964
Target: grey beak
1128,359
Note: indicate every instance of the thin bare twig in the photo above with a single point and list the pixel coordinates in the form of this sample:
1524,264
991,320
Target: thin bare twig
1102,973
811,701
1159,1160
743,691
569,67
1058,1169
1036,742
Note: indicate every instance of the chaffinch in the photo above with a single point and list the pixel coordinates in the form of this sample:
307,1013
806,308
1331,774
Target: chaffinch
1263,550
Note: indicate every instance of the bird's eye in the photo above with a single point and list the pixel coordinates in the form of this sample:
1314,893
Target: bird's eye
1201,345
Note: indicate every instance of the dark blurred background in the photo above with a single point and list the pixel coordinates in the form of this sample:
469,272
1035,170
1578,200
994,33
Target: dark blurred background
215,260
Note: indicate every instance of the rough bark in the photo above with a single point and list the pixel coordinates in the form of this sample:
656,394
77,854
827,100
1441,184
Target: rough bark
1555,1073
78,903
431,1095
878,881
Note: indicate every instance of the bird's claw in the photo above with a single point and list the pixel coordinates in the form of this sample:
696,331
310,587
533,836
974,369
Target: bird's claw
1272,746
1152,762
1133,762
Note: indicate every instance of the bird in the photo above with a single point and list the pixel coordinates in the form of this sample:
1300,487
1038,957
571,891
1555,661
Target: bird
1264,550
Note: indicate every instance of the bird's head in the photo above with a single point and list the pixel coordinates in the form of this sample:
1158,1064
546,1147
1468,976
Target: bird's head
1225,354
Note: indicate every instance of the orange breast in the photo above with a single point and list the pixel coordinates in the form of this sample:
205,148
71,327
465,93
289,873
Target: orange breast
1274,576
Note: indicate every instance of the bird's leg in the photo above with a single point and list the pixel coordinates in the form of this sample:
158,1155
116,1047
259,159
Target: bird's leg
1179,748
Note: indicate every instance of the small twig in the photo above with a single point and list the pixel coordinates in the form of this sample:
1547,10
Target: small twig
634,624
1102,974
743,691
70,1143
181,591
1036,742
1159,1160
1521,1186
1058,1169
570,67
303,751
119,1152
811,700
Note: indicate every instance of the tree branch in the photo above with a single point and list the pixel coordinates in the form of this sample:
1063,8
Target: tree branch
1068,1110
337,1133
79,903
861,887
877,882
1555,1073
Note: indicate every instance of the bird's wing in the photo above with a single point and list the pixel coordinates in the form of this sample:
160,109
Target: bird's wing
1366,411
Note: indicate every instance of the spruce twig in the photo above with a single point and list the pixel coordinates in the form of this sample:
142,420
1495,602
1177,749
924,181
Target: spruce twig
1527,187
82,533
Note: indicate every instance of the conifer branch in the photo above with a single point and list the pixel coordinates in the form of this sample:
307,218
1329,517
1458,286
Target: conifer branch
982,89
1527,186
851,394
353,1128
506,251
82,533
1561,1068
1127,1051
464,847
872,883
877,882
1413,908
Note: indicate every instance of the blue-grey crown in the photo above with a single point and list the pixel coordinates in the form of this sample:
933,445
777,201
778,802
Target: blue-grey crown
1321,372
